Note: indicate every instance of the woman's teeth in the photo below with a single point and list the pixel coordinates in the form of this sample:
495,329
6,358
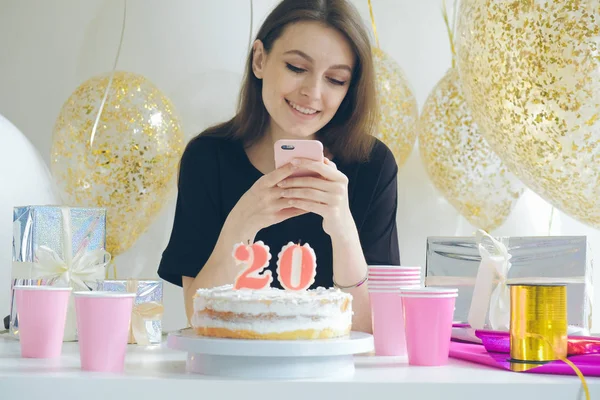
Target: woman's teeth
307,111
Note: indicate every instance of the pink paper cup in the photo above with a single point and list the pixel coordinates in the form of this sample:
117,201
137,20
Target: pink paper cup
42,313
428,327
392,268
396,290
395,284
394,274
413,278
388,323
394,279
373,285
103,320
394,271
431,291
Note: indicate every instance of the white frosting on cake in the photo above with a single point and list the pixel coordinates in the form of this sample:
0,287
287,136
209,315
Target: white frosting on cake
316,309
317,302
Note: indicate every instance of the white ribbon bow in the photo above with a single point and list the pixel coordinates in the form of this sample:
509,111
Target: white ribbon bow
493,268
85,266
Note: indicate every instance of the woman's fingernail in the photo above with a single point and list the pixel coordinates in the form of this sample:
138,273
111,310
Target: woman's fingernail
295,162
281,184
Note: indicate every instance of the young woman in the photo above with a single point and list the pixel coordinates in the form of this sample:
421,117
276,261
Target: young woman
309,76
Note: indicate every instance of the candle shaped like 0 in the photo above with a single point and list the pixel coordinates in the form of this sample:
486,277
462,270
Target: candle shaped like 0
296,266
256,257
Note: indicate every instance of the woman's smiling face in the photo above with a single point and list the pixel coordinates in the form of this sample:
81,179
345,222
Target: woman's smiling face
306,76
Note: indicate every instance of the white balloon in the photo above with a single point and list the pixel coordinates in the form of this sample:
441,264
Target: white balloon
24,180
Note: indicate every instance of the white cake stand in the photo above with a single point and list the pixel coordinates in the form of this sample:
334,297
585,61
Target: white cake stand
270,359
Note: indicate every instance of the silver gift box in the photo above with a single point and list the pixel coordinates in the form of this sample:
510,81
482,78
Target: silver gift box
147,308
454,262
36,226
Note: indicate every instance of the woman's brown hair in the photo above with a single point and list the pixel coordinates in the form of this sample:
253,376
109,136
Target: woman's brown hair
348,136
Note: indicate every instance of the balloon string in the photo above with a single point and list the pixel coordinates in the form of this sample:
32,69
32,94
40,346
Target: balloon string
450,30
454,16
458,225
251,25
112,265
373,23
550,221
112,74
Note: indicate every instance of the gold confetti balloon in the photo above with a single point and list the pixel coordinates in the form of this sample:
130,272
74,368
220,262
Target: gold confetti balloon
131,164
398,108
459,161
530,71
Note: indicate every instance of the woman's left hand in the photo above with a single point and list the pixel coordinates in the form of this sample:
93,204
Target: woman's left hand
326,195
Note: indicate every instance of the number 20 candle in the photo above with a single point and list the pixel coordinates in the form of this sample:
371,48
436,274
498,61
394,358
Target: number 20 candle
256,257
296,266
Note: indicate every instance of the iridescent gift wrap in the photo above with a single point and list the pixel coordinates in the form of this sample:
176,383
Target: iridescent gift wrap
42,233
455,261
146,318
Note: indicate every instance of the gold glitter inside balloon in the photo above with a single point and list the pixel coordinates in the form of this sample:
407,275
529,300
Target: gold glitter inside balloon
398,108
530,71
131,165
460,162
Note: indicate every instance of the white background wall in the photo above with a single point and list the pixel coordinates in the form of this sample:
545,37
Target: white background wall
194,51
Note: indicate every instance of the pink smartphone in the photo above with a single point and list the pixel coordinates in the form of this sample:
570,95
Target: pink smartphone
288,149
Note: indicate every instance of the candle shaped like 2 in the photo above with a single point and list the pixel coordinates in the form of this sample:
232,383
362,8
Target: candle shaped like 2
256,257
296,266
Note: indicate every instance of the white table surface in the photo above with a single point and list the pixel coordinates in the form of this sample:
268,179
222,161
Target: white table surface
159,373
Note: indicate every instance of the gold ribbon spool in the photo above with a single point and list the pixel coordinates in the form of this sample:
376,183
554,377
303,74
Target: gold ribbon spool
538,310
538,327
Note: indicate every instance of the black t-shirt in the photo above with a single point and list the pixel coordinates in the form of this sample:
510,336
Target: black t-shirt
216,172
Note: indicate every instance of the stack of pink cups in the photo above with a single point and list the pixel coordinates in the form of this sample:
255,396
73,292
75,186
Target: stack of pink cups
428,314
385,283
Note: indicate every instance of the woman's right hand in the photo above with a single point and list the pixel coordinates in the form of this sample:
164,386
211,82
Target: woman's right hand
263,205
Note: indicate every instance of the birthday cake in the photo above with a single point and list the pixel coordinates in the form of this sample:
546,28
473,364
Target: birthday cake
272,313
252,309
